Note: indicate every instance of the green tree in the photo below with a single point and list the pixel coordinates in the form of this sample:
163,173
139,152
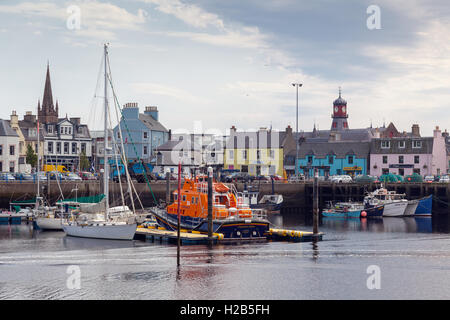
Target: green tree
31,156
84,162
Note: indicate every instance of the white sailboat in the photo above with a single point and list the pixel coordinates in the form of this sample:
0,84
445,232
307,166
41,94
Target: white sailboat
117,223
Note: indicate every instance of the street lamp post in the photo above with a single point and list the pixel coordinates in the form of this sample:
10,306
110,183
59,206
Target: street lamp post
297,85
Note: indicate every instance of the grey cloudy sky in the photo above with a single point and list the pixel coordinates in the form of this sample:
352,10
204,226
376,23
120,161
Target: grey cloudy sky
232,62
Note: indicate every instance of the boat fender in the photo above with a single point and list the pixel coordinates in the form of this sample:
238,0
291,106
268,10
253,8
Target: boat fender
363,214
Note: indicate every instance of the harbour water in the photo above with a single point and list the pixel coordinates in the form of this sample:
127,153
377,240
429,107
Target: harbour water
411,254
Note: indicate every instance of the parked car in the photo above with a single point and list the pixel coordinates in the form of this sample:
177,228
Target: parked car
429,179
6,176
71,176
298,178
85,175
239,177
263,178
24,176
277,177
55,175
444,178
341,179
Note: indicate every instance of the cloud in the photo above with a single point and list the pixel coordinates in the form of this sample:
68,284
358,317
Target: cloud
97,19
169,91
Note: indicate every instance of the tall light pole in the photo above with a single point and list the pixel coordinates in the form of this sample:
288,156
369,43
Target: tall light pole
297,85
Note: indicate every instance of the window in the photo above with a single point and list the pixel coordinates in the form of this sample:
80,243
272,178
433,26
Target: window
145,134
417,144
50,129
12,167
69,130
330,160
385,144
310,159
416,159
118,134
231,154
145,150
175,197
74,148
66,148
272,154
58,147
401,144
244,154
50,147
1,150
258,154
350,159
184,197
400,159
401,171
1,166
11,150
385,159
83,148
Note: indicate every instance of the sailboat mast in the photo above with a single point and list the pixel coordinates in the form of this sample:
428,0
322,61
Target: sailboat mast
106,173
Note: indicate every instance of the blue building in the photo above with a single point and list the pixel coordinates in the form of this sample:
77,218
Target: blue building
333,158
142,132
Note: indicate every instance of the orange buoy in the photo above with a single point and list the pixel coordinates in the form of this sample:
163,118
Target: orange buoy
363,214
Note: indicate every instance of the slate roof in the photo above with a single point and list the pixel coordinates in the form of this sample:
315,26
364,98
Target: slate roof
427,145
182,144
6,130
338,148
255,140
365,134
151,123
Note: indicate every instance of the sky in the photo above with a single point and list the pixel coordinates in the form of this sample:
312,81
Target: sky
212,64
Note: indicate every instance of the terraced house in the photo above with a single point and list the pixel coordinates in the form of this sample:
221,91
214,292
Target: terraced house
257,152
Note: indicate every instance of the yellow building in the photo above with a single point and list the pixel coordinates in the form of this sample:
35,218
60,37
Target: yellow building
258,152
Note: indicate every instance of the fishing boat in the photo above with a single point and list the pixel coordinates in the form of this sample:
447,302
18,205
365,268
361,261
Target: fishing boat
394,203
103,222
230,215
343,210
411,207
372,211
424,206
271,203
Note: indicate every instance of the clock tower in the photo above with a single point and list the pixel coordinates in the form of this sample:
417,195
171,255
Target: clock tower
339,115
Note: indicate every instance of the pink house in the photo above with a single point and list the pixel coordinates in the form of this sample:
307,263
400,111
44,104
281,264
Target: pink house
409,153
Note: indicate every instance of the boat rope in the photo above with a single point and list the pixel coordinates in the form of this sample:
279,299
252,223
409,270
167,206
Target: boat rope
116,101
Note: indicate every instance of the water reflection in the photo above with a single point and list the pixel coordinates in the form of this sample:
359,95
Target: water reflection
384,224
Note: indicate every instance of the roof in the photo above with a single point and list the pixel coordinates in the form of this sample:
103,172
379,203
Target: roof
338,148
6,130
255,140
182,144
365,134
426,148
151,123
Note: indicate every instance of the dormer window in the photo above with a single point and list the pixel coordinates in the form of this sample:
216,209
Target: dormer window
50,129
401,144
417,144
385,144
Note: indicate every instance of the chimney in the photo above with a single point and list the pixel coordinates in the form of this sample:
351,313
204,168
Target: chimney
445,133
415,131
377,133
437,132
29,117
131,110
232,130
152,111
288,130
14,118
77,120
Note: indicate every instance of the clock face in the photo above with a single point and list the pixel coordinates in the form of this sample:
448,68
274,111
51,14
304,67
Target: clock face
335,109
343,109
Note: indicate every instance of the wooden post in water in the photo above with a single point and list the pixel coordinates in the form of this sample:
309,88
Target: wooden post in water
316,202
167,187
178,212
210,205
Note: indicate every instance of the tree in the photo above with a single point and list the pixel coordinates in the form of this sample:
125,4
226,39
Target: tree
31,156
84,162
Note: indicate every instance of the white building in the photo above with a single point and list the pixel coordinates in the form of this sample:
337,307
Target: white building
169,154
9,148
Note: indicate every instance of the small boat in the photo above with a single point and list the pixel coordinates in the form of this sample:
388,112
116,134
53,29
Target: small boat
231,215
394,203
343,210
411,207
13,217
271,203
425,206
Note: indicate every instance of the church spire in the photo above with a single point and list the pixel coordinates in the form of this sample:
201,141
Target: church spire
47,112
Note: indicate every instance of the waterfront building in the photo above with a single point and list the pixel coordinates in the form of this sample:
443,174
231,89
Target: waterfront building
183,150
212,148
98,147
256,152
142,132
409,153
9,148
